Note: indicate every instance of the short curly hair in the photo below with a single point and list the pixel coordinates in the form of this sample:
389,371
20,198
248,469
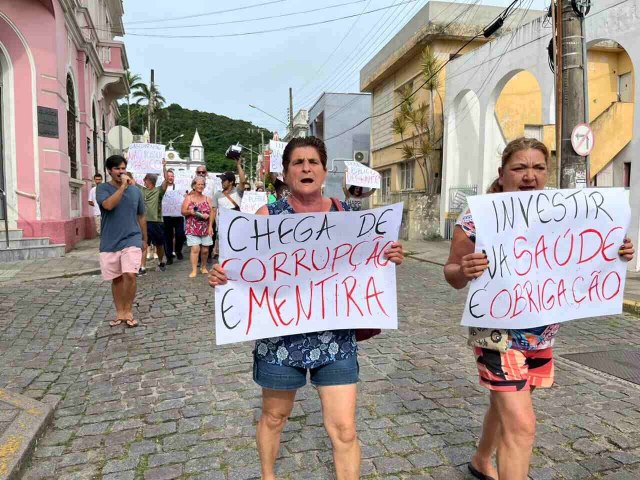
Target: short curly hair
314,142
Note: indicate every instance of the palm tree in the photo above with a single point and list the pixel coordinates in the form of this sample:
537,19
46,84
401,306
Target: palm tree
150,97
134,82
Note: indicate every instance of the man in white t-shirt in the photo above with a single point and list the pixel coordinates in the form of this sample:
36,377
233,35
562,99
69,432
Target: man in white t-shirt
97,180
231,196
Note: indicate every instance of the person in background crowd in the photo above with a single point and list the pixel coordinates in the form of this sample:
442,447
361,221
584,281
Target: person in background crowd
199,214
354,195
510,422
97,180
247,187
124,236
173,227
271,197
202,172
230,197
335,370
152,196
259,187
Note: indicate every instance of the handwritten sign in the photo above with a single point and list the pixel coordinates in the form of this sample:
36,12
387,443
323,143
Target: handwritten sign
553,257
172,203
361,176
300,273
252,201
145,158
275,159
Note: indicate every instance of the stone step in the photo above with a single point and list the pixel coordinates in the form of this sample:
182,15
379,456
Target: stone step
31,253
23,242
13,234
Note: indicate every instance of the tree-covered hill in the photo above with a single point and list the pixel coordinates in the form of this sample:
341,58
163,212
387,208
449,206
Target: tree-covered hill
217,132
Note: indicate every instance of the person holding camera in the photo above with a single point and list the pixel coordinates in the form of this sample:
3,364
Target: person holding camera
198,211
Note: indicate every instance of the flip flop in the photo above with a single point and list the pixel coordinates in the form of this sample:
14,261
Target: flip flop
116,322
131,322
478,474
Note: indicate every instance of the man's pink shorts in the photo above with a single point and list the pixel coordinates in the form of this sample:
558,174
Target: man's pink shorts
114,264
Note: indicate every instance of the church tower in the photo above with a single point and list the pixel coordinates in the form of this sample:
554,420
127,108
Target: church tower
196,152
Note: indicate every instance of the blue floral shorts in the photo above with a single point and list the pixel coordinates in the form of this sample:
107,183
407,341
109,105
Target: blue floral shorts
282,377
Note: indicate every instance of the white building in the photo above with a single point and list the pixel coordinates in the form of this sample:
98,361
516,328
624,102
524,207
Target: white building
196,156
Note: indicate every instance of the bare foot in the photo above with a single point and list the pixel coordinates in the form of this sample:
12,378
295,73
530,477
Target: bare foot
193,274
204,270
484,466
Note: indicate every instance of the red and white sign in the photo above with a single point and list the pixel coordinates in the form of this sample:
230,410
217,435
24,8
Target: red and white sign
582,139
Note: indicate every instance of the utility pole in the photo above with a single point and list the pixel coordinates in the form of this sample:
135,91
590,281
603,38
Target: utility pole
291,110
572,67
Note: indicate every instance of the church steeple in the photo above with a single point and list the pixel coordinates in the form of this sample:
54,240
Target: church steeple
196,151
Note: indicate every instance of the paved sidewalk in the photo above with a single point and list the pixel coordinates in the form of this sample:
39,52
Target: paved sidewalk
82,260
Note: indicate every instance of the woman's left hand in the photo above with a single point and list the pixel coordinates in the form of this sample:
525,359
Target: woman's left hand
395,253
626,250
210,231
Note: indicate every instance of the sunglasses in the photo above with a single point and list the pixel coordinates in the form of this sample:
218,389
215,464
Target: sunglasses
200,172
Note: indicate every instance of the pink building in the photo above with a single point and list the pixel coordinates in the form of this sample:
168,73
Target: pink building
61,72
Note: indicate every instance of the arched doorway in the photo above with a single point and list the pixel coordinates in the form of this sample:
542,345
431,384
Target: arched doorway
3,183
71,129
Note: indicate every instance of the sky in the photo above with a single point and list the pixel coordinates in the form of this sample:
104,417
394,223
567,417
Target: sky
225,74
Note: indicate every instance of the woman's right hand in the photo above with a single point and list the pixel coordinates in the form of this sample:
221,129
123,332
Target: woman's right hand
474,264
217,276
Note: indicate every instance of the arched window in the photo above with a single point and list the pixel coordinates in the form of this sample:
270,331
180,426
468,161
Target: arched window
71,128
95,139
196,155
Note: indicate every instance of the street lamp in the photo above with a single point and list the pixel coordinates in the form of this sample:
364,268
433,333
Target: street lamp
267,113
174,139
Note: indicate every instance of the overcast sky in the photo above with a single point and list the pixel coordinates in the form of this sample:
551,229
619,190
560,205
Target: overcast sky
224,75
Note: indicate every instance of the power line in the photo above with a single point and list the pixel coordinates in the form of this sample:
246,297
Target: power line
325,84
477,35
291,27
270,17
207,13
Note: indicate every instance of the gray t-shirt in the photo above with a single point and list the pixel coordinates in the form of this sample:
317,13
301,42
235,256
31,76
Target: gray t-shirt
120,228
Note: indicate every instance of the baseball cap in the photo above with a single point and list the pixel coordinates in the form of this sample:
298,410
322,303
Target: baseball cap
228,176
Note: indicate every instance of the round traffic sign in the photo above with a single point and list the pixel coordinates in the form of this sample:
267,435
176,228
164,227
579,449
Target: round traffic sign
582,139
120,137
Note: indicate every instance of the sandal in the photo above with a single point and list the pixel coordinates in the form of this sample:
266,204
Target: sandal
116,322
478,474
131,322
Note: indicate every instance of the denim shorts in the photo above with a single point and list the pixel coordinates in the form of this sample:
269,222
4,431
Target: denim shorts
204,240
281,377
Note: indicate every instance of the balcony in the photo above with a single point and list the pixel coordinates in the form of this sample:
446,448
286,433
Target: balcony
113,56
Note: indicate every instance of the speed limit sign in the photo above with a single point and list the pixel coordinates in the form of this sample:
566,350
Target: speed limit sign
582,139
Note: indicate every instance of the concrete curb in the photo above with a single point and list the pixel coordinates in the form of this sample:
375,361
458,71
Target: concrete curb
18,441
77,273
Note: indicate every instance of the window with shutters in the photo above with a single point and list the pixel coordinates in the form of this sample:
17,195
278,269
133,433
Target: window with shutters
71,129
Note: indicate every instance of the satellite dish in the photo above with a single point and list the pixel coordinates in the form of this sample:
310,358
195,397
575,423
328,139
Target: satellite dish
120,138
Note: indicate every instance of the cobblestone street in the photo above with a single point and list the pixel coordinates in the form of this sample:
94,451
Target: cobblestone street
162,401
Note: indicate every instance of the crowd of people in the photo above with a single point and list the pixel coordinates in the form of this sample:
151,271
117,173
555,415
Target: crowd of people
510,374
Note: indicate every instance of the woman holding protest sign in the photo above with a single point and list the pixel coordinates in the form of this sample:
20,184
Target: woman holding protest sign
354,195
199,229
511,363
281,364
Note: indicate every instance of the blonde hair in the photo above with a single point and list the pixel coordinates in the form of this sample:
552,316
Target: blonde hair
518,145
195,180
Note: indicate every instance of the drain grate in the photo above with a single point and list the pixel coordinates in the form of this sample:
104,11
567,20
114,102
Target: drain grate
624,364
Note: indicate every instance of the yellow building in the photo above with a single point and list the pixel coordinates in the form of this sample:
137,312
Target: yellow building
444,27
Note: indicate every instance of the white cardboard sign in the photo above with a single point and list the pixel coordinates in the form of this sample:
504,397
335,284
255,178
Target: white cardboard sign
361,176
252,201
553,256
275,162
291,274
172,203
145,158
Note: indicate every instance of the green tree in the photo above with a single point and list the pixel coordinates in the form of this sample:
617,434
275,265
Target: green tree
415,123
134,82
153,99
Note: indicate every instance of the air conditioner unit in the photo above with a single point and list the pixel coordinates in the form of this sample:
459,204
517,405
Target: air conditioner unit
361,156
